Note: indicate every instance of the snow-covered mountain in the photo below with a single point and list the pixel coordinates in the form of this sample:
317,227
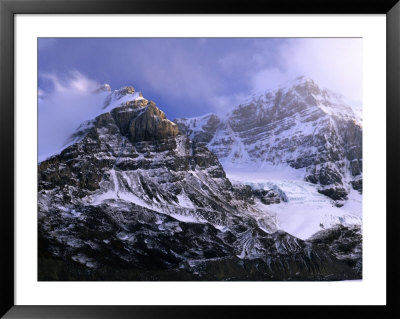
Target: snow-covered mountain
300,125
301,140
132,198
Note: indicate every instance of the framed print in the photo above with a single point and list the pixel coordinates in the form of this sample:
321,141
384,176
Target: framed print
153,169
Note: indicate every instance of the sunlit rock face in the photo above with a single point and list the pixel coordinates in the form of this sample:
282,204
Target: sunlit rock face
134,198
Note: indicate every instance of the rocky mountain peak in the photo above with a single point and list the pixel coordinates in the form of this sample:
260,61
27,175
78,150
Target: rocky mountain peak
306,86
103,88
125,90
122,95
142,121
299,81
300,125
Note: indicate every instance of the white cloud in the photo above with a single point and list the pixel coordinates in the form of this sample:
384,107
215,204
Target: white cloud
73,82
266,79
80,83
224,103
332,63
63,109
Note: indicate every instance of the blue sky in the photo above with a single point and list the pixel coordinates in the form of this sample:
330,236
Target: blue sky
192,76
185,77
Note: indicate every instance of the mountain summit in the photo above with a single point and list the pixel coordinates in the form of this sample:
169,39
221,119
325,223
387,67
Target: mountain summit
300,125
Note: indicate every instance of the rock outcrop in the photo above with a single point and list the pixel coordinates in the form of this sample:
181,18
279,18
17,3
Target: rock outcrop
345,243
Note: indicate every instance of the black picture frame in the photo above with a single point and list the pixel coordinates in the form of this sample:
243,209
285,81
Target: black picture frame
9,8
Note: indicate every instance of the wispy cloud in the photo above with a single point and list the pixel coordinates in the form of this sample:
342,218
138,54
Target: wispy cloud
333,63
224,103
63,107
71,81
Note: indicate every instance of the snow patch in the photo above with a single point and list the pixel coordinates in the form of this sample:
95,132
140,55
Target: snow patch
306,211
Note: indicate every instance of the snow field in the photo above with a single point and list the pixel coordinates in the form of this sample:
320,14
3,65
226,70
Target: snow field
306,211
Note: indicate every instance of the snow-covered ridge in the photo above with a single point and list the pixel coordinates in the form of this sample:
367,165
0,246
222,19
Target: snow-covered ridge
327,100
104,100
318,98
120,96
265,128
196,123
